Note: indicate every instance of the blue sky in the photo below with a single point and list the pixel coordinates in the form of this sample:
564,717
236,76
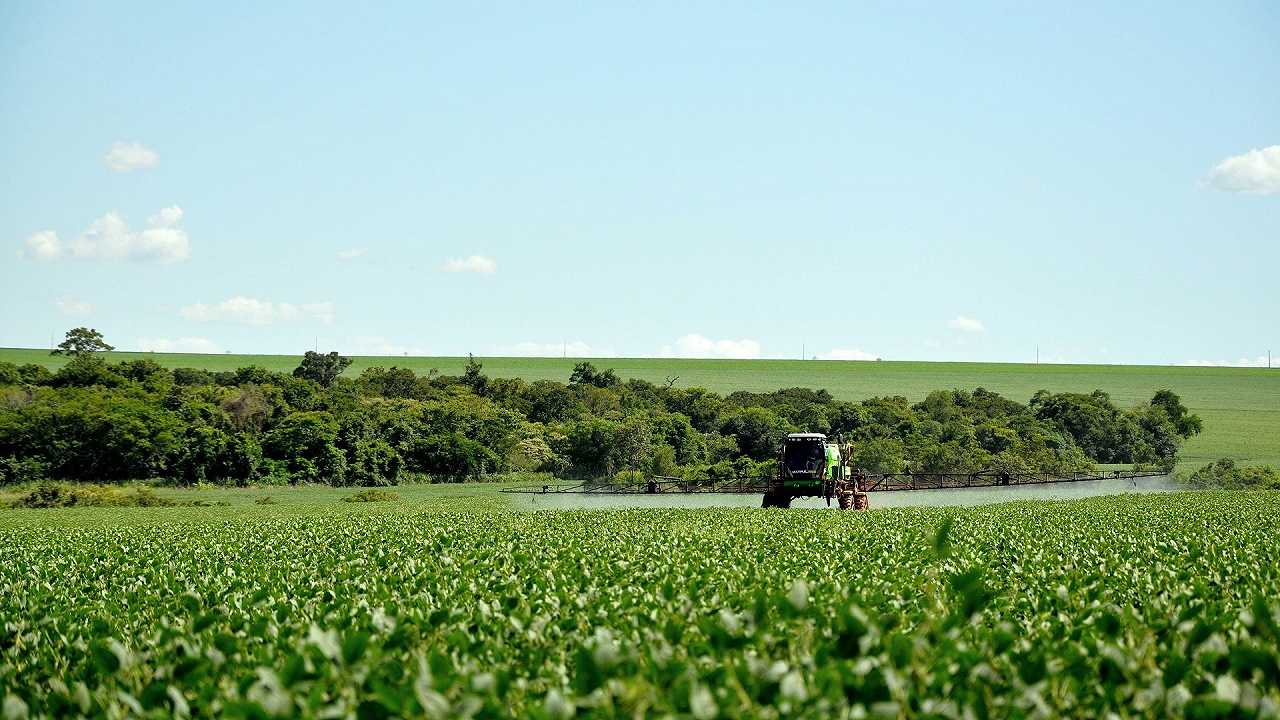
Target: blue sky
857,180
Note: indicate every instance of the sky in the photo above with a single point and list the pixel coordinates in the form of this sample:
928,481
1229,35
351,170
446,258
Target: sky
1092,182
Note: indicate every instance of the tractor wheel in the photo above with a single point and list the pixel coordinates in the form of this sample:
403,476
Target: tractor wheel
846,500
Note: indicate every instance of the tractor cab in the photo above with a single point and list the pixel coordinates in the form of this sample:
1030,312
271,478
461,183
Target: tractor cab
808,459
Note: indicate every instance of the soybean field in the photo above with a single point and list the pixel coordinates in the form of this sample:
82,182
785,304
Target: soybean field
441,606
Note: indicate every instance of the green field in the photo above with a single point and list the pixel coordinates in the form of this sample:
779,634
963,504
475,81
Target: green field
1240,406
442,604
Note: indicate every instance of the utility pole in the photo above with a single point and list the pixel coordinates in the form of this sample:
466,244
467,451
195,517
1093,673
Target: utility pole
1037,354
802,355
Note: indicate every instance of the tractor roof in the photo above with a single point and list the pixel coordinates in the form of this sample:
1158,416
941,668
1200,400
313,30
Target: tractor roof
806,436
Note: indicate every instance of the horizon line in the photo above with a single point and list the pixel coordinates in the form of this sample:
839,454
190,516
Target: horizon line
876,361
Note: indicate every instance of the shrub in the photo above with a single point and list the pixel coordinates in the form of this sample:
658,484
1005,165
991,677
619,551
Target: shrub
629,477
372,495
51,495
1226,474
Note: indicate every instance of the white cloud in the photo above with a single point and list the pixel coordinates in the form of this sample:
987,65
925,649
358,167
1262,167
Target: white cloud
1259,361
71,306
847,354
966,324
352,253
473,263
179,345
573,349
126,156
252,311
109,238
697,346
1256,172
43,245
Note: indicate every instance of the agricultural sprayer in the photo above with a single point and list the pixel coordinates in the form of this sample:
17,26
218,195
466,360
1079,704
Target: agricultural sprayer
813,465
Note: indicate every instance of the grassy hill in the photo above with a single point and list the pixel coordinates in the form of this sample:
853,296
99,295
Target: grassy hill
1240,406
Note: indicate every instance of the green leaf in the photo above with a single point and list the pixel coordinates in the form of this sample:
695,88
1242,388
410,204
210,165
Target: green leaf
353,647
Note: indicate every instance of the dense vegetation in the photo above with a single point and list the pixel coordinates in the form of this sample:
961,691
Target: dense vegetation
1133,606
1240,406
98,421
1226,473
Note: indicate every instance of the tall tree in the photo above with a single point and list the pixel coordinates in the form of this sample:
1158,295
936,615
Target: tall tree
584,373
322,368
81,341
474,377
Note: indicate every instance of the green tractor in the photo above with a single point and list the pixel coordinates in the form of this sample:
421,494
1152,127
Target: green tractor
811,465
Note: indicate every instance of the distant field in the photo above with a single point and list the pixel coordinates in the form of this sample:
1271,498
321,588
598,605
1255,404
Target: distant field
1240,406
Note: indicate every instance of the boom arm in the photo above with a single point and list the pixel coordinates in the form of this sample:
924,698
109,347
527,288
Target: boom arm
658,485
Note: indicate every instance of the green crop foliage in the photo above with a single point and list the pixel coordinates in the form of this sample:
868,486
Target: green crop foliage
1137,606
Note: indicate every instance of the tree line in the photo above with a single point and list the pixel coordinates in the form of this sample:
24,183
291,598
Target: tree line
94,420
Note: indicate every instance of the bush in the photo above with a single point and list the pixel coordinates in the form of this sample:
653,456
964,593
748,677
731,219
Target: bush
50,495
1226,474
372,495
629,477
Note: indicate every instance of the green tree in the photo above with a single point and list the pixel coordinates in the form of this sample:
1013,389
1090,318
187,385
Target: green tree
92,433
452,457
590,447
1183,421
85,370
9,374
584,373
474,378
373,463
879,455
759,432
322,369
304,441
81,341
